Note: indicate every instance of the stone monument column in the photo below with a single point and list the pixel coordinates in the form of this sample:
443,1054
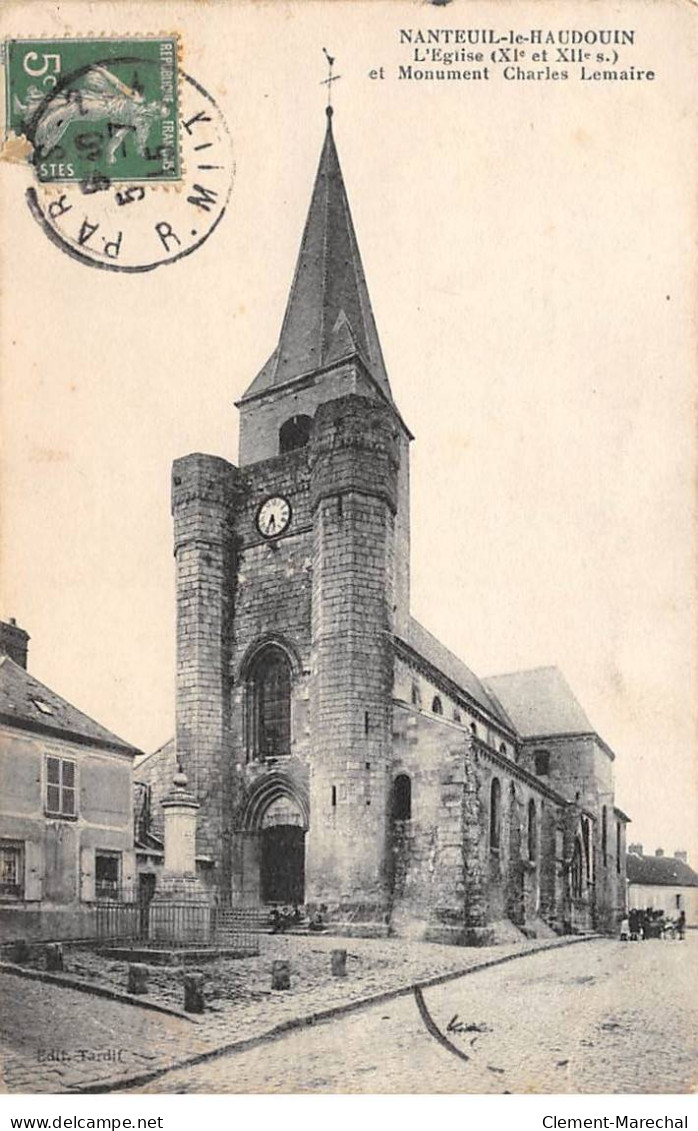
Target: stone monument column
180,810
181,909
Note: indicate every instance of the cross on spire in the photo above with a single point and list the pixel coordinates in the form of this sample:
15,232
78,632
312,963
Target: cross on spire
330,78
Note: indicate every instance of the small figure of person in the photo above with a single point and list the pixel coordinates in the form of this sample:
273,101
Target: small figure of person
681,925
624,929
317,922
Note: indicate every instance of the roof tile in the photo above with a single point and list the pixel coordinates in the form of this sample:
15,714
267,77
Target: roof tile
29,704
663,871
539,702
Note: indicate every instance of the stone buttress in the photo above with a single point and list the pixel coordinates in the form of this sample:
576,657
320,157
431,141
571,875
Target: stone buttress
354,469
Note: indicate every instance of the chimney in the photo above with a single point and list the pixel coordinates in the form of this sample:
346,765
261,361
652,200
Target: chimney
636,849
14,642
682,855
659,852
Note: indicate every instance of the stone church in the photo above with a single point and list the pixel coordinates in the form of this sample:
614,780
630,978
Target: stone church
342,757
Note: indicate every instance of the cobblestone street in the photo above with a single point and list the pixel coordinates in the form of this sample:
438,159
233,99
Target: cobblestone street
600,1017
596,1016
56,1039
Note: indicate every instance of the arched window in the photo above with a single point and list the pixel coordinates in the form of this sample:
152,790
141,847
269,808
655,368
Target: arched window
502,748
269,704
416,696
577,870
586,845
604,835
542,763
473,728
402,798
532,830
495,812
294,433
456,715
437,706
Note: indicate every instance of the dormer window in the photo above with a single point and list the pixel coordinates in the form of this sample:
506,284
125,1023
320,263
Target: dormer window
43,706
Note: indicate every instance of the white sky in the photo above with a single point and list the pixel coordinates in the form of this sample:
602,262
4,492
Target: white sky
529,250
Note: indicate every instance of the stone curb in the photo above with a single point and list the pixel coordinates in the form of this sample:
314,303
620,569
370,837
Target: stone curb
70,983
120,1083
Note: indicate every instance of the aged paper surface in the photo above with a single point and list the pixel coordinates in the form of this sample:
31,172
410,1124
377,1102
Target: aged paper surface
527,231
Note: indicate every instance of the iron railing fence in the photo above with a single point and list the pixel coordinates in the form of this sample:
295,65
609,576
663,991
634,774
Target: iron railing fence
179,925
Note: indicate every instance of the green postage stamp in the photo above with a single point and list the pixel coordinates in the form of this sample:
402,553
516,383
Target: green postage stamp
96,111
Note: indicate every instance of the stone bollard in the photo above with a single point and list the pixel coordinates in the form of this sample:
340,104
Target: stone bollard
280,975
194,993
137,978
339,963
54,956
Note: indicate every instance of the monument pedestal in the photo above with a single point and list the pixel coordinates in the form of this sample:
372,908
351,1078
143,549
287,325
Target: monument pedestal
181,910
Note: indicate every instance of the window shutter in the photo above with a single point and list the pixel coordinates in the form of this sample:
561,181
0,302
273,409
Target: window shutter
33,870
128,876
87,875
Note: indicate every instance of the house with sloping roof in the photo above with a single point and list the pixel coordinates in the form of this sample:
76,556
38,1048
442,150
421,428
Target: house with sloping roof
66,806
664,883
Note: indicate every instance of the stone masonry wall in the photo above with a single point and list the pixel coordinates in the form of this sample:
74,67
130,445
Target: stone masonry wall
411,683
273,598
520,884
203,491
428,850
354,496
261,419
273,591
448,882
582,771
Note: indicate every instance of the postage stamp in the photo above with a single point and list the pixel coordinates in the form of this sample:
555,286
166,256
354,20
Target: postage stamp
137,226
96,110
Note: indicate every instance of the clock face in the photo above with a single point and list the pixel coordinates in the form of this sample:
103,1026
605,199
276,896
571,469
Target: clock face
273,517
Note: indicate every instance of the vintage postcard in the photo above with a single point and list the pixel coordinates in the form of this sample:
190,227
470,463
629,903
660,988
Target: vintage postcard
347,637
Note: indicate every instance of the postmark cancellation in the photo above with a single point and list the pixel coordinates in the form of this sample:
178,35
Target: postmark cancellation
96,108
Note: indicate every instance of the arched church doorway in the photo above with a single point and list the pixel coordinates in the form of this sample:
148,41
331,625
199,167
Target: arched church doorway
282,871
272,859
282,860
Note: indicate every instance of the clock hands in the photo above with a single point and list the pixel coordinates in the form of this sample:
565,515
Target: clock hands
273,517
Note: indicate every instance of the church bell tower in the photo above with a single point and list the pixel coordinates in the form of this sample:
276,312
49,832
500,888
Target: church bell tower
292,577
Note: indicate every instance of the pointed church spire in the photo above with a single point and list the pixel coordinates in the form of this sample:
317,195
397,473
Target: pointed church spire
328,315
